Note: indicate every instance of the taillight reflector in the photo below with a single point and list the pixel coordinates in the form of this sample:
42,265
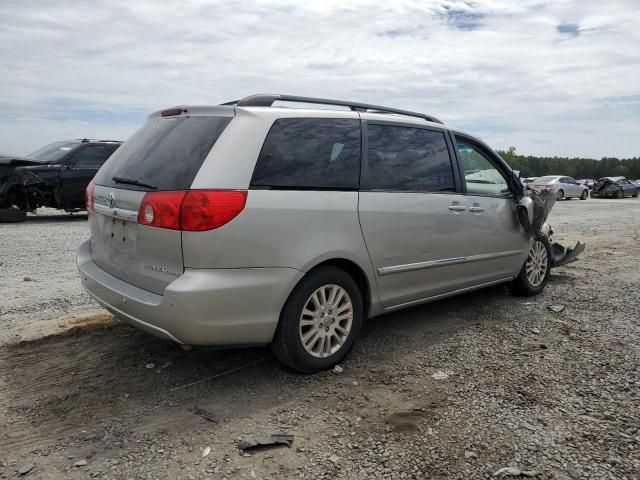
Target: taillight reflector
89,198
191,210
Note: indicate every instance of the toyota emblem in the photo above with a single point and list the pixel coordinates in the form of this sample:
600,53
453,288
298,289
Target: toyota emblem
111,199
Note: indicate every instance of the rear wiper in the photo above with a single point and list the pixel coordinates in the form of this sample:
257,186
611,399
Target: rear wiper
130,181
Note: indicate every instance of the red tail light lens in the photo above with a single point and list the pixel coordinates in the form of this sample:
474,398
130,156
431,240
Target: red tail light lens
89,196
191,210
209,209
161,209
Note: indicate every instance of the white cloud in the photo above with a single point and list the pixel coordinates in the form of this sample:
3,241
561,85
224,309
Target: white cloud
499,68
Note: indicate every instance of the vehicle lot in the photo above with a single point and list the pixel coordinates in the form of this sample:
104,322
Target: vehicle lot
453,389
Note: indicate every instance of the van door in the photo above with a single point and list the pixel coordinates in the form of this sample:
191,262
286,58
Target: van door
497,245
411,213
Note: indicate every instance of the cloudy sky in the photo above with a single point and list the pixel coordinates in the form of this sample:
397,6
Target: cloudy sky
553,77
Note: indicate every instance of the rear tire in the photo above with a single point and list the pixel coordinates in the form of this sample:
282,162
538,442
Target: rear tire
560,195
635,194
12,215
619,194
584,195
320,321
536,269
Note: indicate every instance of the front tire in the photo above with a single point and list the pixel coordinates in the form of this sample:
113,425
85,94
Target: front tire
560,195
536,269
619,194
584,195
320,321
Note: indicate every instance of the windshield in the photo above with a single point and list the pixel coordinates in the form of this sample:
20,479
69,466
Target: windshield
52,152
546,179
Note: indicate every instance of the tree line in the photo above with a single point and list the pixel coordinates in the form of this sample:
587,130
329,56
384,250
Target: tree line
532,166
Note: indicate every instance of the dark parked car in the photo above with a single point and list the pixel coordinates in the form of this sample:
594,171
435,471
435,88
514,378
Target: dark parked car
617,187
54,176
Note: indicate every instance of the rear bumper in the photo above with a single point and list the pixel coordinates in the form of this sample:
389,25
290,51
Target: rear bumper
201,307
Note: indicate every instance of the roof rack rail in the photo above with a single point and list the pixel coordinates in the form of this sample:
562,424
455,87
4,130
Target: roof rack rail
267,100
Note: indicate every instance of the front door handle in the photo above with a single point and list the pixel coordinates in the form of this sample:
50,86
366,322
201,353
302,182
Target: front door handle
476,209
457,208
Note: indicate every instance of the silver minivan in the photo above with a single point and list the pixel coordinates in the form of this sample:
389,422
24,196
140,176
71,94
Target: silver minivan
250,223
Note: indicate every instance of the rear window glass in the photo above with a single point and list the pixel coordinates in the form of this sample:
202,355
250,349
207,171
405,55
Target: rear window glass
166,153
408,159
321,153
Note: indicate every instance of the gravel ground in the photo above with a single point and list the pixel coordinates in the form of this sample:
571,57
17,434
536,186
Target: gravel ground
456,389
38,278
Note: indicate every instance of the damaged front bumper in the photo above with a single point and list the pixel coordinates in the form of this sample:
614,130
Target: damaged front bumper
537,207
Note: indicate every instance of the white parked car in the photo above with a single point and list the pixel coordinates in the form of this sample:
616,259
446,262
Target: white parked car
564,187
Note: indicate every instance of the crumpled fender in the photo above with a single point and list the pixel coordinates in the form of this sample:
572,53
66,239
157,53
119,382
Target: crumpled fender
28,182
541,205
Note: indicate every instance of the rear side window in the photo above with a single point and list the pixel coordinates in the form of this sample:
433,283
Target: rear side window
166,153
308,153
408,159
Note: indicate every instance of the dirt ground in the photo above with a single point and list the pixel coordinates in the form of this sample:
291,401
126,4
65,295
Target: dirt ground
456,389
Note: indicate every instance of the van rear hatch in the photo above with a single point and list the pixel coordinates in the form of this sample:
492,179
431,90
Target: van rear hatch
164,155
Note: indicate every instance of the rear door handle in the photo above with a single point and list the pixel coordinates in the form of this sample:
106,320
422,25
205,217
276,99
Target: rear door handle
457,208
476,209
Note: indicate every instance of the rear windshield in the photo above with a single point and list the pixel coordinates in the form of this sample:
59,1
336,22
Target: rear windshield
53,152
165,154
546,179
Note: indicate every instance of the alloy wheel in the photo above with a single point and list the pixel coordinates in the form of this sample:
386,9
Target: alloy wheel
536,265
326,320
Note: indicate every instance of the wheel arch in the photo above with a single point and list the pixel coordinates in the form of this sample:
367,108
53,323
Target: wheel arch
357,273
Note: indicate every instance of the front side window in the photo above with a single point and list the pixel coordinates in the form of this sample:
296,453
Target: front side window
481,176
92,155
320,153
408,159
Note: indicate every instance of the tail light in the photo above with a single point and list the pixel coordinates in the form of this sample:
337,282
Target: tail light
191,210
161,209
89,198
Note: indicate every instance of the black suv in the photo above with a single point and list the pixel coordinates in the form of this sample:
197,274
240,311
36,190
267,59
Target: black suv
55,176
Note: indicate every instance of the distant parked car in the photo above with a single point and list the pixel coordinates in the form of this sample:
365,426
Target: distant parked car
618,187
563,187
527,181
587,182
54,176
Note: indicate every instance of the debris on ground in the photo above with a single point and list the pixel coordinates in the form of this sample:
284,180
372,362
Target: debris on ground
561,255
338,369
556,308
23,470
515,472
150,365
267,441
206,451
440,375
206,414
27,279
334,459
80,463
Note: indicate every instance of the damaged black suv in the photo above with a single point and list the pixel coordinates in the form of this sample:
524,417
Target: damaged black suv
54,176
